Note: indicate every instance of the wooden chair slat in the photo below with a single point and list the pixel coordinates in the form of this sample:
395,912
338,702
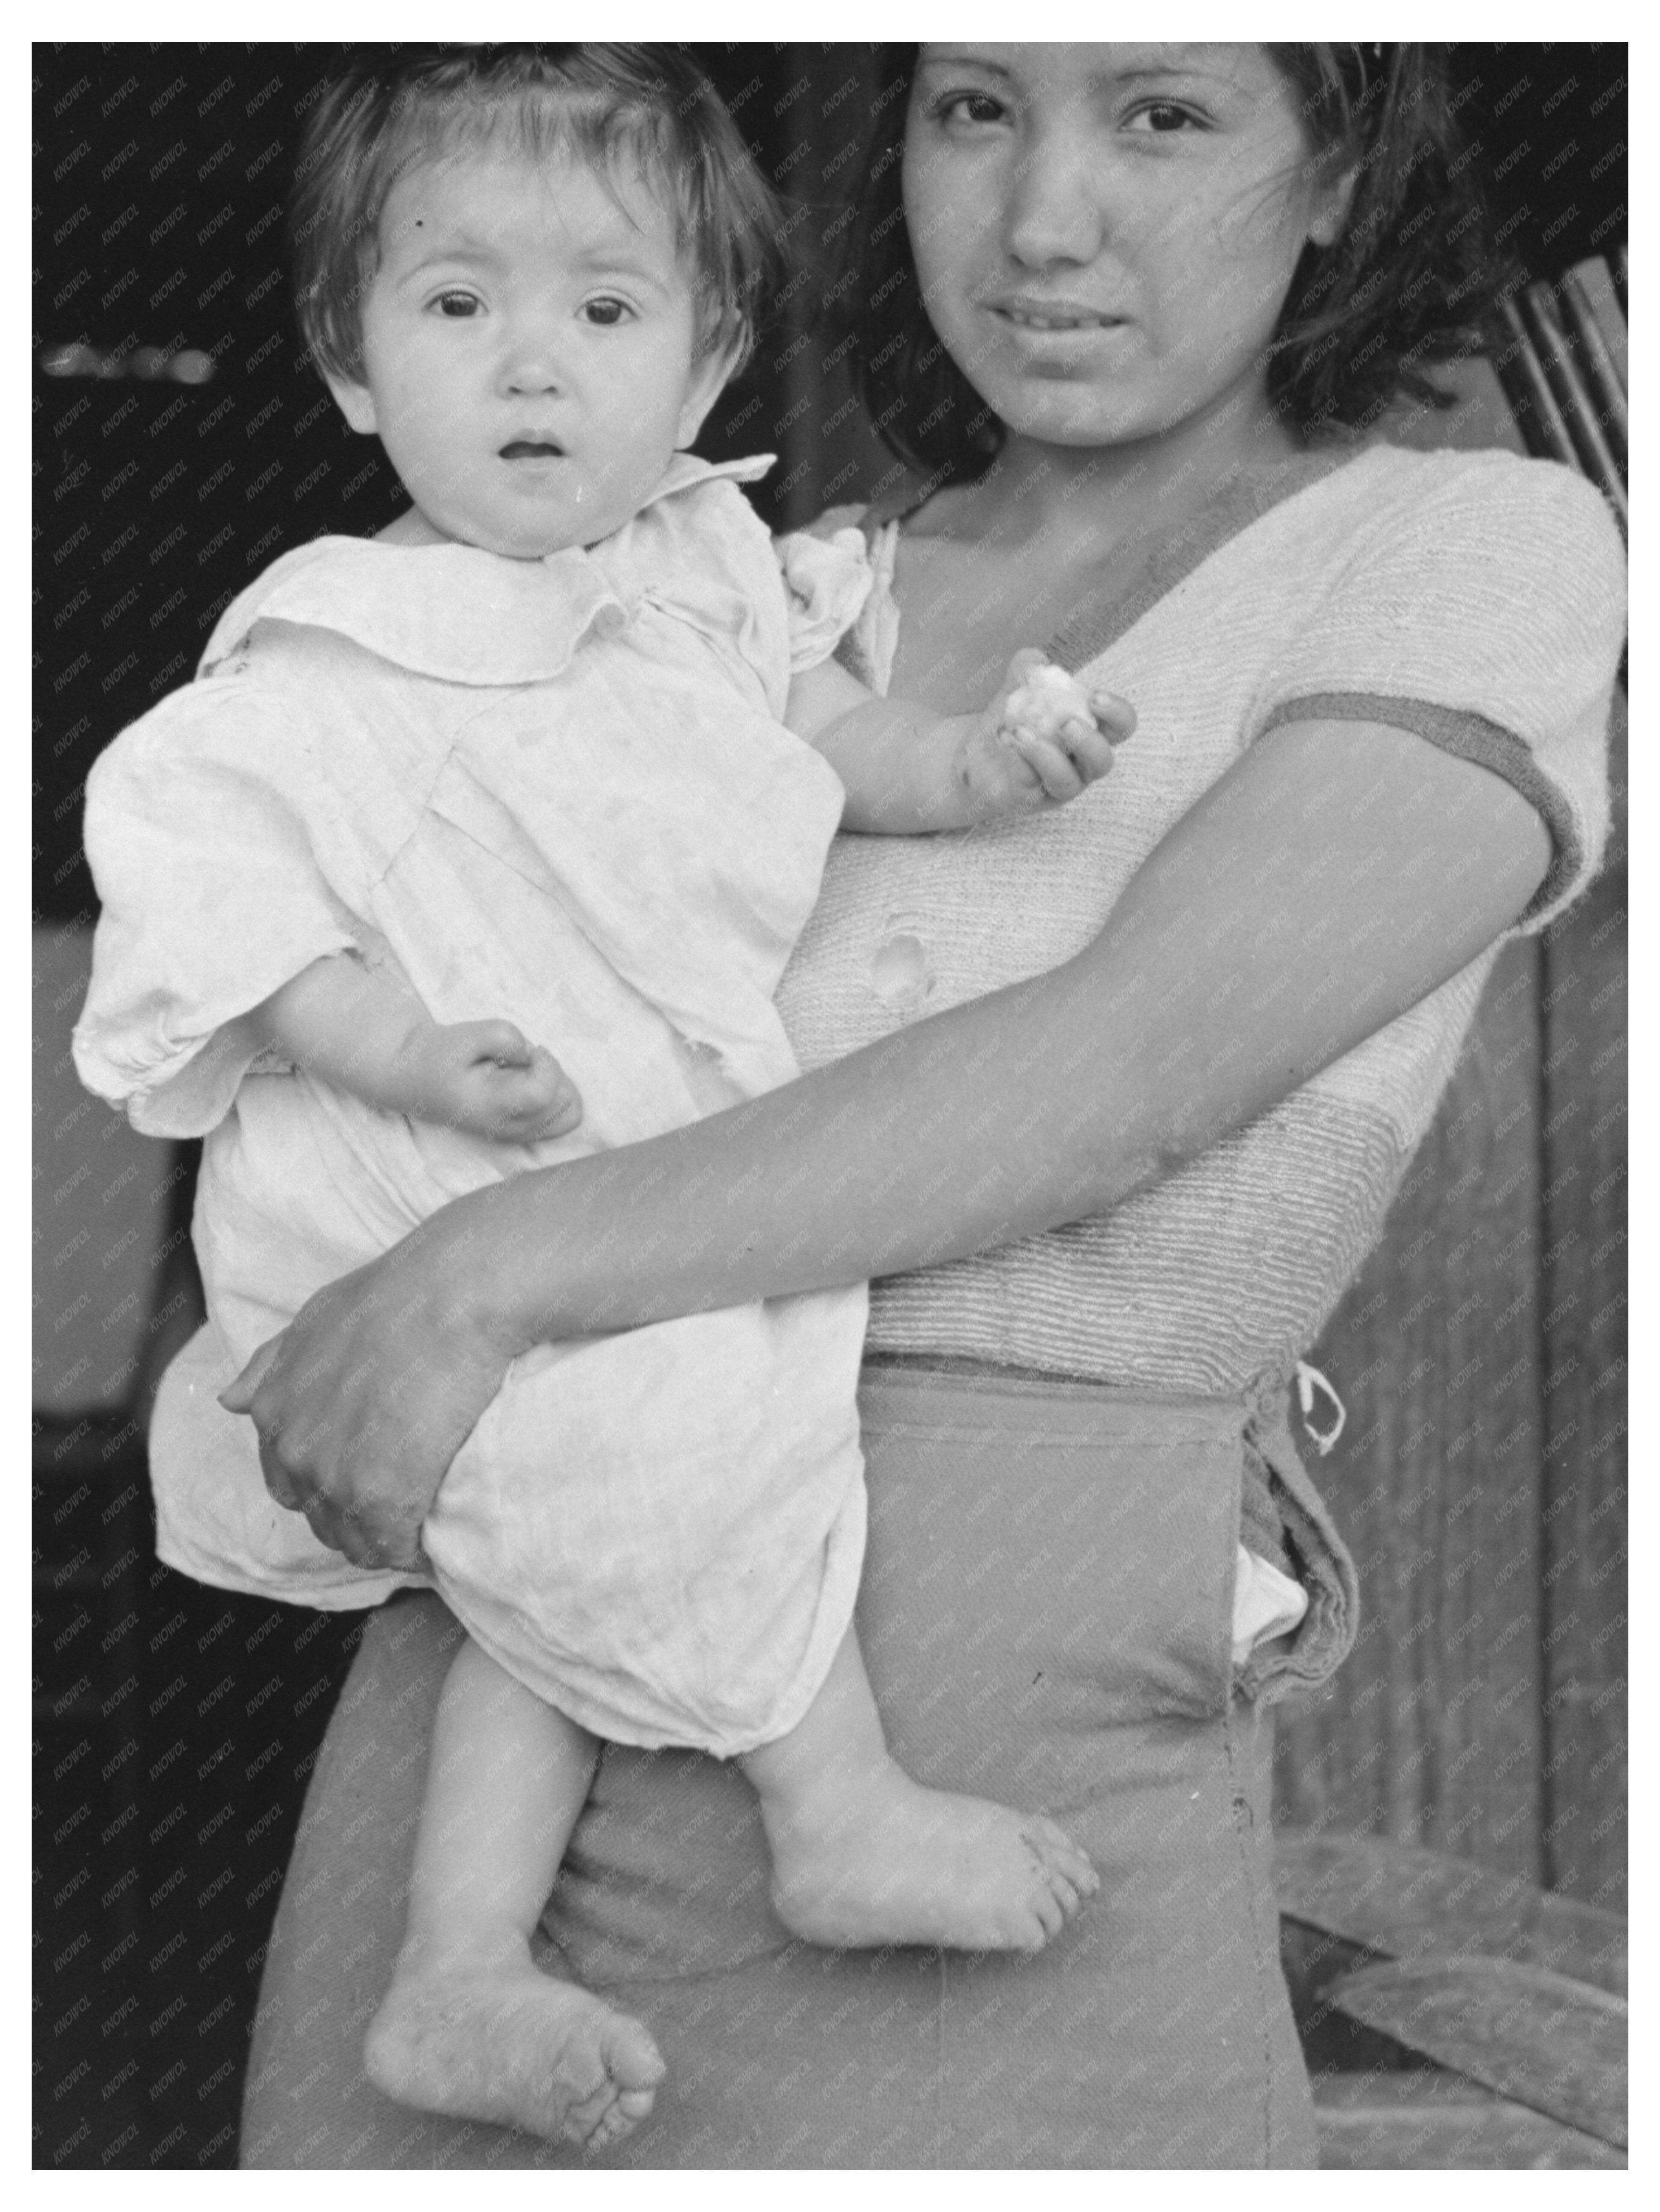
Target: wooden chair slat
1596,362
1411,2121
1577,408
1532,402
1406,1902
1544,2041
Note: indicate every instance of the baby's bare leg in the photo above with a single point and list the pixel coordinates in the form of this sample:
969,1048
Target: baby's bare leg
862,1855
470,2026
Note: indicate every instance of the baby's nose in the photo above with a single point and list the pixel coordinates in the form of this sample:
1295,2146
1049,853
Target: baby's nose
534,361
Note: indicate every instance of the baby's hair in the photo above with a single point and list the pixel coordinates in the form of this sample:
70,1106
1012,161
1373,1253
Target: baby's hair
645,108
1409,283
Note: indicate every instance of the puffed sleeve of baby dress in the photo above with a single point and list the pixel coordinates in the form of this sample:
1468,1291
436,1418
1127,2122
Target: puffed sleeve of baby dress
207,830
828,578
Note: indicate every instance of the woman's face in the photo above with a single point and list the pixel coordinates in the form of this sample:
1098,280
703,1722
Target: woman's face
1105,235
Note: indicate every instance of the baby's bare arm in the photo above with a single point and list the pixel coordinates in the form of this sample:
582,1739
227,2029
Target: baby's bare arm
907,770
344,1022
357,1030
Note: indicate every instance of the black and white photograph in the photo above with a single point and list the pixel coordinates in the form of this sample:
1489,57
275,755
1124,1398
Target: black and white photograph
828,946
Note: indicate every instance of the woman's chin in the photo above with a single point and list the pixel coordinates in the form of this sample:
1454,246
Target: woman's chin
1052,410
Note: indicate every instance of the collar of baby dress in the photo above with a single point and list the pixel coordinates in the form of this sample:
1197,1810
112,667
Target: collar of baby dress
462,615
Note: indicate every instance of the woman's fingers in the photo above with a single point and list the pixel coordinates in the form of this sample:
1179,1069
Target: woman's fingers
367,1396
239,1396
360,1539
368,1538
278,1481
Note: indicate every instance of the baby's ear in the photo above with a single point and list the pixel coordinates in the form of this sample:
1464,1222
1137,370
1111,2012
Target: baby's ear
709,378
355,401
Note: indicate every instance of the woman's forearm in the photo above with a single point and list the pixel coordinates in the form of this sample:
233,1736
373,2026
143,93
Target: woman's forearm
1338,874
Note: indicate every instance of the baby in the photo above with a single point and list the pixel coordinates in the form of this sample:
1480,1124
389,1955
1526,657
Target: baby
554,760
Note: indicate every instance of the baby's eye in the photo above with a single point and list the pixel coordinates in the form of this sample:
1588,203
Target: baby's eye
606,312
457,304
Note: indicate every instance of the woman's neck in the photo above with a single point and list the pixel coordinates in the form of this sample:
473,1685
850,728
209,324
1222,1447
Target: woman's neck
1102,496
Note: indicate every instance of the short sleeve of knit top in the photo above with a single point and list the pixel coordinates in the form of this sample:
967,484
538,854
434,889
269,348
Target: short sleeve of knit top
1480,604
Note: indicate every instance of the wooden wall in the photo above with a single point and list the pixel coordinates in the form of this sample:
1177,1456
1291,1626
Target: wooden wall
1481,1480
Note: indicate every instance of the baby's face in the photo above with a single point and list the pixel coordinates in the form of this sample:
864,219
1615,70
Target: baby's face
529,350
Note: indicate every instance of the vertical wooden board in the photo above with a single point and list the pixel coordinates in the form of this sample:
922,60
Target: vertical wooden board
828,454
1431,1733
1583,1355
101,1201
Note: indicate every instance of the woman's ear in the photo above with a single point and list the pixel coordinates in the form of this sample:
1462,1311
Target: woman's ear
1332,202
709,378
355,402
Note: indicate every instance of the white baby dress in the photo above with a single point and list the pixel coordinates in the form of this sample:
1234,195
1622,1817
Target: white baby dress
557,792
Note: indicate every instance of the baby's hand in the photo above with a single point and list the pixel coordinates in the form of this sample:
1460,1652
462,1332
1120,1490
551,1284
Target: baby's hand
1044,737
485,1078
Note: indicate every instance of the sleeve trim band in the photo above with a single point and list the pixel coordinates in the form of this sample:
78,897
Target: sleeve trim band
1471,737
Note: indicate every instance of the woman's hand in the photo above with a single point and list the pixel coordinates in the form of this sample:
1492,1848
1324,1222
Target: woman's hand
367,1396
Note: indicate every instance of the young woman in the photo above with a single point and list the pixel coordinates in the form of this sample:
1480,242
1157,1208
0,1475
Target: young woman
1112,1102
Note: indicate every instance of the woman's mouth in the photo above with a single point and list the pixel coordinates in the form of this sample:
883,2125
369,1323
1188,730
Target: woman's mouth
1053,315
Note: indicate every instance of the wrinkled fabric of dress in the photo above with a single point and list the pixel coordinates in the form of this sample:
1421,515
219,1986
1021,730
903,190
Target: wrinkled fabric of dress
557,792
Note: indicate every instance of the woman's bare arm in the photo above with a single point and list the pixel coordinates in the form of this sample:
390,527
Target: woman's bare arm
1336,874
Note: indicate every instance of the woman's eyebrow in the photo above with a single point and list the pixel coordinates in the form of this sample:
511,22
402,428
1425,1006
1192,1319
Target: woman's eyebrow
1144,62
968,58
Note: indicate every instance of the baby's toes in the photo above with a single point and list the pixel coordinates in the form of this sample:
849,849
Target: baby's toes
608,2129
1065,1893
1058,1852
587,2120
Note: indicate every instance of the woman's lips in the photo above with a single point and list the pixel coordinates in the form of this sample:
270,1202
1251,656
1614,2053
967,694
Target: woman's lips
1058,315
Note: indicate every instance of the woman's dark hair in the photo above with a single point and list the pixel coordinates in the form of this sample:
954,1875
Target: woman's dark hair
1409,283
646,106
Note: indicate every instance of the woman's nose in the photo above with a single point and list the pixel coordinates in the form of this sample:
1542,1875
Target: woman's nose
1053,211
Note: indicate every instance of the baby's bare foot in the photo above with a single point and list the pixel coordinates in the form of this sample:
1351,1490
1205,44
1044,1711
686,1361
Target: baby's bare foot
902,1864
515,2046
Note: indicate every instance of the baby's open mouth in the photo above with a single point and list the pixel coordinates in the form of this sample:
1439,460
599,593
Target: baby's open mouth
532,449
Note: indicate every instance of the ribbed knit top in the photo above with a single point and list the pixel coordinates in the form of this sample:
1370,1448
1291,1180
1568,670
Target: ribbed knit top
1475,599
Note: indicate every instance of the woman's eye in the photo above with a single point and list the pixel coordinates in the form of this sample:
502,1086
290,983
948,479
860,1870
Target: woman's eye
969,108
457,304
606,313
1164,116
